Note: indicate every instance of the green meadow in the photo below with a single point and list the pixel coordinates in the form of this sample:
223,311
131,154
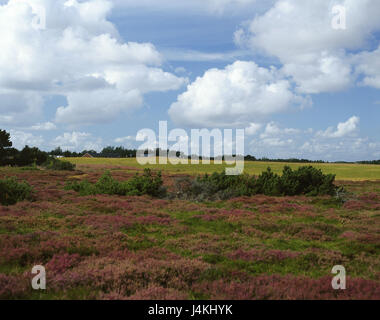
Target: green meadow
351,172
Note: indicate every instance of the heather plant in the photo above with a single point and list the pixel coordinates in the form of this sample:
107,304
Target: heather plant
12,191
146,184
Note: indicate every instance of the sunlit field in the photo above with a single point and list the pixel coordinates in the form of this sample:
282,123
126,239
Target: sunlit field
130,247
352,172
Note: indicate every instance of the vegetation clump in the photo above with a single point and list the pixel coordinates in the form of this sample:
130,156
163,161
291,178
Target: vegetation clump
146,184
306,180
12,191
55,164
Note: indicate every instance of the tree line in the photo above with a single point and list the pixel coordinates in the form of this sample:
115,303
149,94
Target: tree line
27,156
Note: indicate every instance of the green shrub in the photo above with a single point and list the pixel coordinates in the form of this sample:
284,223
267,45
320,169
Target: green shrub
107,185
55,164
139,185
84,187
12,191
268,183
145,184
305,180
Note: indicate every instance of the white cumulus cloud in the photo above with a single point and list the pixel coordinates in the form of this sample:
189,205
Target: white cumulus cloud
300,35
77,141
343,129
77,52
235,96
20,139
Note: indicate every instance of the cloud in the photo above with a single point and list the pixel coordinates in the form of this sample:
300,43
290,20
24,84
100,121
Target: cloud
346,149
275,142
46,126
20,139
143,79
78,53
368,65
128,141
273,130
205,6
99,106
198,56
333,144
180,70
77,141
125,139
343,129
318,57
253,129
19,108
240,94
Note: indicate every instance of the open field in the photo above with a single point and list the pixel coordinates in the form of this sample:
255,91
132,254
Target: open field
352,172
118,247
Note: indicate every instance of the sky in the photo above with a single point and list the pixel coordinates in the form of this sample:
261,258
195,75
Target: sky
301,78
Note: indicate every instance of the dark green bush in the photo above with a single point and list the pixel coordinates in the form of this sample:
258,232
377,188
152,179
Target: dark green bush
268,183
145,184
137,186
55,164
305,180
29,156
12,191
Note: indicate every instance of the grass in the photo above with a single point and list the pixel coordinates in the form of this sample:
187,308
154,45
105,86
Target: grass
350,172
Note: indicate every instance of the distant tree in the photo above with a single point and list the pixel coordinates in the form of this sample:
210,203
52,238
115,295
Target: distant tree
29,156
5,144
5,139
67,154
250,158
57,152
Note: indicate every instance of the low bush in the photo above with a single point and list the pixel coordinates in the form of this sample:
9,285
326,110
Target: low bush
55,164
146,184
12,191
303,181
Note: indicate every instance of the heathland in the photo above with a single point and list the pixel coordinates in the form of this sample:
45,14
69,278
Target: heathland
142,247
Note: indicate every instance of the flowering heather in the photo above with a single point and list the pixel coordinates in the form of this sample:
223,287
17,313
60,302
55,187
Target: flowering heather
159,293
139,247
277,287
257,255
61,263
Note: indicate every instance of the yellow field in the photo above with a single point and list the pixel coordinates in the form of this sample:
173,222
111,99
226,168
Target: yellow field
353,172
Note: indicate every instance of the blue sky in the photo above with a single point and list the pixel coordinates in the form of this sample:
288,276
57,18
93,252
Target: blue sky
96,72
